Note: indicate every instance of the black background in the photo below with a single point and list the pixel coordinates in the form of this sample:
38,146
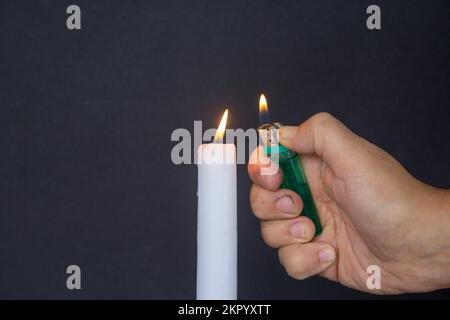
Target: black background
86,117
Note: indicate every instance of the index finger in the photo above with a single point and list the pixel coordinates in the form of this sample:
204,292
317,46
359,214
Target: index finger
263,171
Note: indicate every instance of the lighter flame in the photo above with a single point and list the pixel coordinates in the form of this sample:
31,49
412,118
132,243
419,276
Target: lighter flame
221,129
263,105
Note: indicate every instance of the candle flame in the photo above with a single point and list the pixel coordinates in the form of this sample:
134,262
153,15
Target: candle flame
221,129
263,110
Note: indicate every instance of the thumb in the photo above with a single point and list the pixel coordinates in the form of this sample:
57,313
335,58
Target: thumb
322,135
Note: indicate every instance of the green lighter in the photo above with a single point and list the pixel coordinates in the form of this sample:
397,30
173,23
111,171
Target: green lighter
294,177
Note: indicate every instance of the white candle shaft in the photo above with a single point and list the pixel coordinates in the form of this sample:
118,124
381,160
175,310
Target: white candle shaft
217,223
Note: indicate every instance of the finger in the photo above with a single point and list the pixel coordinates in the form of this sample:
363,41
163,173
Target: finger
305,260
274,205
264,171
280,233
323,135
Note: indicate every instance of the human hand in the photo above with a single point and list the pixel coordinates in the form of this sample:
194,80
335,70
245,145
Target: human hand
372,210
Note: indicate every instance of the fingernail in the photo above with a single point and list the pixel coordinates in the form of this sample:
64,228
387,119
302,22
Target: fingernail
288,132
286,204
326,255
298,230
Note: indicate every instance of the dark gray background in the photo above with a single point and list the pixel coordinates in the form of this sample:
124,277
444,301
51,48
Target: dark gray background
86,117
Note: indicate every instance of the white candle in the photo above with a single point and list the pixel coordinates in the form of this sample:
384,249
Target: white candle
217,222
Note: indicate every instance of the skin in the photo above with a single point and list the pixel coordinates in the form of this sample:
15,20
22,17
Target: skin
372,210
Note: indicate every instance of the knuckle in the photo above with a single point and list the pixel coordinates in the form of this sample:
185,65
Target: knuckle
323,116
296,273
254,197
322,123
253,171
291,263
269,238
322,119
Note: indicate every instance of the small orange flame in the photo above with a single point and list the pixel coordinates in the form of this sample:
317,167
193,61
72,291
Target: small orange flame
221,129
263,105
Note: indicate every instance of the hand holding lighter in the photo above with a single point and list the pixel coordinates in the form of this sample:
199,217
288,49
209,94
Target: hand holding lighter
294,177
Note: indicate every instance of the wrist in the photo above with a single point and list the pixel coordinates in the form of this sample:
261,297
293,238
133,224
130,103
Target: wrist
435,257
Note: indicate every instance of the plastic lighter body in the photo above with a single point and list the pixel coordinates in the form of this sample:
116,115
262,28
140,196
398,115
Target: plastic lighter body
294,177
